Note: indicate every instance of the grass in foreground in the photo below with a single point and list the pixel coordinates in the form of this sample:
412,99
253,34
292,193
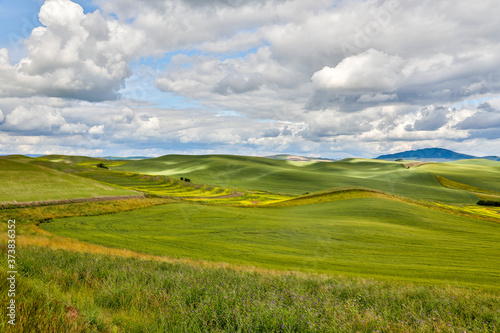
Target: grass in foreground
76,292
364,237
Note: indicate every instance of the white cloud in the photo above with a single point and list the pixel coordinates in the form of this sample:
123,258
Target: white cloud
39,119
74,55
147,126
78,128
281,65
97,130
369,71
61,14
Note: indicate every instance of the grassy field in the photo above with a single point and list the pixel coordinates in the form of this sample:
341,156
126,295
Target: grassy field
65,291
156,185
364,236
294,178
254,245
22,181
485,175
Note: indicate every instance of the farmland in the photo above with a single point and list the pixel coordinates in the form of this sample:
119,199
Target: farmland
255,244
363,237
25,182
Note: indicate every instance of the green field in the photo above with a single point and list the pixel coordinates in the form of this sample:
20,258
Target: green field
479,173
363,237
22,181
67,291
295,178
411,227
373,229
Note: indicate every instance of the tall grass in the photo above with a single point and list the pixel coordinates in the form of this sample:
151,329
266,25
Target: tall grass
37,310
61,291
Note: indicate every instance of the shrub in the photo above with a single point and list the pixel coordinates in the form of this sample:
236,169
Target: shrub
101,165
489,203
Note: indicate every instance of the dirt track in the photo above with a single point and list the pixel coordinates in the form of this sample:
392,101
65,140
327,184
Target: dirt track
415,164
66,201
227,196
111,198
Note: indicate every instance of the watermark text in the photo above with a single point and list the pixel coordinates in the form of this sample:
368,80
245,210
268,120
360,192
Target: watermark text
12,272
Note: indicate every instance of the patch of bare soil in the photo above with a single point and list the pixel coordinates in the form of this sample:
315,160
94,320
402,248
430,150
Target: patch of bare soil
414,164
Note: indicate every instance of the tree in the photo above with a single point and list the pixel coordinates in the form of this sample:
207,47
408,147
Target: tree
101,165
489,203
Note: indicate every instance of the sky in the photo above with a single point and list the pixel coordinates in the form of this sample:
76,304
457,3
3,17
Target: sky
324,78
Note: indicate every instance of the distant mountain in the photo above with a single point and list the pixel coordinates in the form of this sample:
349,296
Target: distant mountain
433,154
286,157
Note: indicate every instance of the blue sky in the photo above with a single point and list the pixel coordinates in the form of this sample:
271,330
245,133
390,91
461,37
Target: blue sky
326,78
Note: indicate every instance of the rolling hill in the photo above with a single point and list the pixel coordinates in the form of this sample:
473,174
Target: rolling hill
249,240
381,218
23,181
296,178
363,236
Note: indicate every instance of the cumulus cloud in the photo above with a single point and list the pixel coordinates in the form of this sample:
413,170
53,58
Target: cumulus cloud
97,130
61,14
35,119
254,85
486,117
431,119
233,83
73,55
77,128
369,71
327,76
408,64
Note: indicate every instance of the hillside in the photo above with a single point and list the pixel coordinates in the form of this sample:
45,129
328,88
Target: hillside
255,173
364,236
23,181
254,244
